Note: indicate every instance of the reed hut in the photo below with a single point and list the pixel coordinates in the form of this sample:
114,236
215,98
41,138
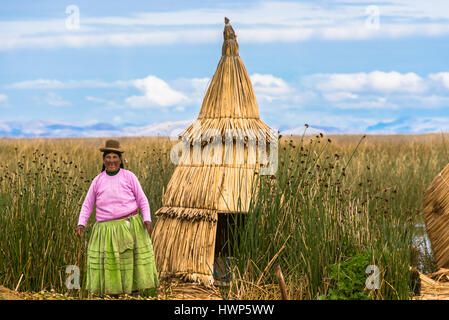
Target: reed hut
217,172
436,213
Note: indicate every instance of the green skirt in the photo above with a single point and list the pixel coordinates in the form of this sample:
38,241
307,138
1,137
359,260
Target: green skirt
120,258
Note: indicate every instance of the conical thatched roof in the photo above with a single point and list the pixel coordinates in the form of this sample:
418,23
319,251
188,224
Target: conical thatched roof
222,182
436,212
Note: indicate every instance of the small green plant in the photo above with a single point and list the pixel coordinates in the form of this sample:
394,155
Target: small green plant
348,279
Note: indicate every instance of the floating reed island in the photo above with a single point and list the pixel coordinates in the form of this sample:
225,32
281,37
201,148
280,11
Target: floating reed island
220,156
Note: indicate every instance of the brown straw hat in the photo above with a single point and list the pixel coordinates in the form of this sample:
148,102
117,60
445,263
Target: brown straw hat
112,145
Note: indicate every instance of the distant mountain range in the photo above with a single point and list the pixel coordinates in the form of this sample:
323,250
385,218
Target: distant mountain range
32,129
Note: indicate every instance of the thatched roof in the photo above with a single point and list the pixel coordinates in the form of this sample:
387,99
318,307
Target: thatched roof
230,102
199,190
230,94
436,212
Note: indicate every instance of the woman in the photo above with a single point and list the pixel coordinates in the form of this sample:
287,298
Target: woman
120,256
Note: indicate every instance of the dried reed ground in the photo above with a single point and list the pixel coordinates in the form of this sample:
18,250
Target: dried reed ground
302,223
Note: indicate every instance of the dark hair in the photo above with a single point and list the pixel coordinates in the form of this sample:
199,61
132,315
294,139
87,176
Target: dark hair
117,153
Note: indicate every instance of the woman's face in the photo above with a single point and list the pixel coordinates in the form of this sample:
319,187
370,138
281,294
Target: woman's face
112,162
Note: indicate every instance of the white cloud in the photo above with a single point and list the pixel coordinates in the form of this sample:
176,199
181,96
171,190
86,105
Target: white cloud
339,82
106,38
432,124
37,84
441,78
56,100
395,82
156,93
193,88
3,98
339,96
408,8
375,81
410,125
117,119
381,90
433,101
5,127
368,103
200,84
213,35
96,100
105,102
376,90
70,84
269,87
265,21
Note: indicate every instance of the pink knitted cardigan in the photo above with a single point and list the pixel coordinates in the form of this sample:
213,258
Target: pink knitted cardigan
114,197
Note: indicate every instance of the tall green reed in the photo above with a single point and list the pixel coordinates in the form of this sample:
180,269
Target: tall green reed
311,216
42,187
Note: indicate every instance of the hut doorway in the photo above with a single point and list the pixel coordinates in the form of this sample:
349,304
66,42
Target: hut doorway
226,242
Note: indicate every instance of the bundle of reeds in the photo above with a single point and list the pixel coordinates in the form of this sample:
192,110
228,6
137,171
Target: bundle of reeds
217,175
436,212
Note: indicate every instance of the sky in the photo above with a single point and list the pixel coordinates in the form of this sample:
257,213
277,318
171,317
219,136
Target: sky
84,68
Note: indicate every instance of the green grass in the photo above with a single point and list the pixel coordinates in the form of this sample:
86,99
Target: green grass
329,201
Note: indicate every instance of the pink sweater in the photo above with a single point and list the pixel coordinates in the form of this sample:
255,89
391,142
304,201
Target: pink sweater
114,197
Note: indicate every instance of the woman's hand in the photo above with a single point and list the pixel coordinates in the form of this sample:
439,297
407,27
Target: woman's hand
149,227
80,231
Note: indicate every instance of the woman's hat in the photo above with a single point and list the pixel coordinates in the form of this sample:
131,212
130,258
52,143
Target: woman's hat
112,145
